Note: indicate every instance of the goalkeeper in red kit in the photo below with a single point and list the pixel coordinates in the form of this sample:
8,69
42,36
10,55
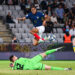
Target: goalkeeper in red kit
34,63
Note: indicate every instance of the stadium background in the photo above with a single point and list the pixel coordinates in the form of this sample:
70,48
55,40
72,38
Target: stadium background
23,47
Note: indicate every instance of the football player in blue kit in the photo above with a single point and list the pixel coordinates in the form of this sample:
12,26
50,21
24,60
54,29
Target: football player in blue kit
37,20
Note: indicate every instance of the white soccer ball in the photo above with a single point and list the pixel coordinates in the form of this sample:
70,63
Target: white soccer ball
52,38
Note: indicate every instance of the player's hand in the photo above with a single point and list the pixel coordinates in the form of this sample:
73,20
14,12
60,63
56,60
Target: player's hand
18,19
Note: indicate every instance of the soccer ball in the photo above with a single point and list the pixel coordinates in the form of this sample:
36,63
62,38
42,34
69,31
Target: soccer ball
52,38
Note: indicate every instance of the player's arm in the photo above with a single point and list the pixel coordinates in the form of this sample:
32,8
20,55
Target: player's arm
22,19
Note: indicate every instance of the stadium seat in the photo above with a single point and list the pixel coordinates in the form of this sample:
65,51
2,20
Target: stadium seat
27,21
60,40
30,35
18,35
15,13
57,35
8,11
2,13
1,40
21,41
11,26
11,7
62,35
30,26
44,35
24,26
59,30
54,30
21,13
21,30
17,7
5,7
18,25
24,35
14,30
28,40
1,8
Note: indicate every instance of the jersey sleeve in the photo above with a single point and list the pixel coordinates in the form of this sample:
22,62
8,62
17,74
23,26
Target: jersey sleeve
42,14
28,16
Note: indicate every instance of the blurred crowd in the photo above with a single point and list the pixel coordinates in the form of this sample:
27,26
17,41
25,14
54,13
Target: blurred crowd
59,11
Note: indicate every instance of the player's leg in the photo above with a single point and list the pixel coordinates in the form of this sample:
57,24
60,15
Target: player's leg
34,32
41,30
40,57
73,44
54,68
50,51
35,41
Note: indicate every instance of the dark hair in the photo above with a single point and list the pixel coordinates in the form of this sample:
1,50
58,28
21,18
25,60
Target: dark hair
10,58
33,7
67,33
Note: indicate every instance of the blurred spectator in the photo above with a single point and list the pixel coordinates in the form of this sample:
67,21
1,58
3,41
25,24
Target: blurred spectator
66,10
29,2
9,2
62,3
14,40
73,9
23,5
72,30
48,24
73,21
49,11
43,5
35,1
9,18
49,4
70,15
70,23
54,5
54,18
36,4
15,2
66,26
1,1
67,37
60,14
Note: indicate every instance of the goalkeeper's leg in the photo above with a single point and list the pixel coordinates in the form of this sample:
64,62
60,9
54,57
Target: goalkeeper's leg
40,57
50,51
55,68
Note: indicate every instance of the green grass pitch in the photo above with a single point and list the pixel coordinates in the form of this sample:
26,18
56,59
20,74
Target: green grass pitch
6,70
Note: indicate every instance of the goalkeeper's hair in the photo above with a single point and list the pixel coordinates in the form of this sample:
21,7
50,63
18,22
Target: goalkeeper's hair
10,58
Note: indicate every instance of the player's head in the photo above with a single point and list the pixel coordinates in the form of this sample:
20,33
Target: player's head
33,9
13,58
67,32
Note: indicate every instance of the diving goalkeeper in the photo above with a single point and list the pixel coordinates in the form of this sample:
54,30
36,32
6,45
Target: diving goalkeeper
34,63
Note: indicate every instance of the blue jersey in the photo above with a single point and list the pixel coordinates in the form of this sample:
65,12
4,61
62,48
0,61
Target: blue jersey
36,18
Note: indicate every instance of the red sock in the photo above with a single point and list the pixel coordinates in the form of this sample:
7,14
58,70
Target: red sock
37,36
43,39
